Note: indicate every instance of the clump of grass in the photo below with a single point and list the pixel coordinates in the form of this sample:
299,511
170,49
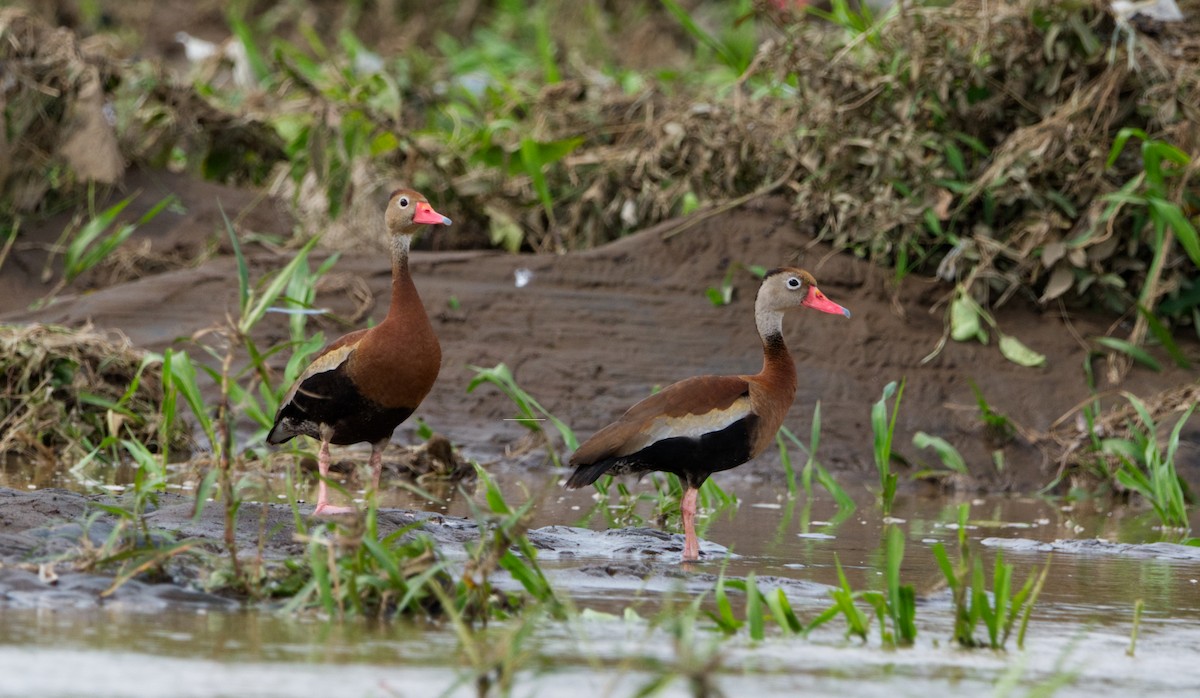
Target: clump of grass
1001,609
75,394
93,242
697,658
1150,471
358,573
349,570
897,603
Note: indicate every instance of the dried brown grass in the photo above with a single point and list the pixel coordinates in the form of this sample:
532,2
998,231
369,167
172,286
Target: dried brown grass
57,382
56,134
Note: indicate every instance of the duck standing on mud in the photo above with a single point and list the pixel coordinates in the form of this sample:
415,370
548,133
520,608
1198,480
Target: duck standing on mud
363,385
706,424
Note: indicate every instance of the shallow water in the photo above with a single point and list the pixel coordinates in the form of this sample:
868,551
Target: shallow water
1079,632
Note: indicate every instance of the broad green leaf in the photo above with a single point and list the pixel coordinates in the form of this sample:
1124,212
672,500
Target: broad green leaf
948,454
1018,353
964,320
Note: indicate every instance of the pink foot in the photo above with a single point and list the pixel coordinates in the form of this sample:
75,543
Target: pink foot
330,510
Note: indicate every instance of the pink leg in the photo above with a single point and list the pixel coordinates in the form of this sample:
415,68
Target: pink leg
323,506
691,545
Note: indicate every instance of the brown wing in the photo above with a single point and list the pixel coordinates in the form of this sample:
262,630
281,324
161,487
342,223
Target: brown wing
687,408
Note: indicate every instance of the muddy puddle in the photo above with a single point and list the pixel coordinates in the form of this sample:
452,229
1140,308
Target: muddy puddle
152,642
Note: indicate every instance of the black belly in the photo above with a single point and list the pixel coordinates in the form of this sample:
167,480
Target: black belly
332,399
693,459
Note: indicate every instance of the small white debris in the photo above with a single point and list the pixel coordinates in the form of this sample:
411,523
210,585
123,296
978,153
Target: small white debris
893,520
367,62
629,213
522,277
1160,10
113,488
197,49
816,536
766,505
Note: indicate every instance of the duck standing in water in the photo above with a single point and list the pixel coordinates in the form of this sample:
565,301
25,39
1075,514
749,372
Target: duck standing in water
364,384
706,424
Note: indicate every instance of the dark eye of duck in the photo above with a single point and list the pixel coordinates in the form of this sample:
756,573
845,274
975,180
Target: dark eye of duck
403,202
793,282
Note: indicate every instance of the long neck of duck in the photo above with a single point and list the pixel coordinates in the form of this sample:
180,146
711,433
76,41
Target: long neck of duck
402,284
778,366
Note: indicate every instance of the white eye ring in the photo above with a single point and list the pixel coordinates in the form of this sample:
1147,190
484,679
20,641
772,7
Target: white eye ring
402,202
793,282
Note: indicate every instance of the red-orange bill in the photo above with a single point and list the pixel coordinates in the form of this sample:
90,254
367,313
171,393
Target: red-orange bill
817,301
427,216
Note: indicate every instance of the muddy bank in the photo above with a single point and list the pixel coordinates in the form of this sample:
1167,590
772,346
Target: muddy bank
594,331
47,536
50,541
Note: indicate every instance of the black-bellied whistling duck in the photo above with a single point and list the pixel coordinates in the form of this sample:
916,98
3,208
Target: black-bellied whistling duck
706,424
363,385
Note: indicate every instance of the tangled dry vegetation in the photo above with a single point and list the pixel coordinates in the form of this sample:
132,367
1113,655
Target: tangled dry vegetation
974,141
56,133
971,141
65,392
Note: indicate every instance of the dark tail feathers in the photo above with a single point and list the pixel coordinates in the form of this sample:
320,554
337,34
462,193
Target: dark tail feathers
587,473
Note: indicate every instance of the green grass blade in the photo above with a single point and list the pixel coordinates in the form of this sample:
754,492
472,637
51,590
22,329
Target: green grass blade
754,609
1133,351
1163,335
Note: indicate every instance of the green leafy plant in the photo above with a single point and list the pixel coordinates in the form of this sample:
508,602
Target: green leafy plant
946,452
1150,471
884,429
530,413
998,611
1000,429
899,603
93,242
735,50
358,573
722,294
812,467
857,622
761,609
